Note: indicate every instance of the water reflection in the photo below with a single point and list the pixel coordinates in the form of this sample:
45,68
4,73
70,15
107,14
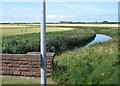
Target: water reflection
99,38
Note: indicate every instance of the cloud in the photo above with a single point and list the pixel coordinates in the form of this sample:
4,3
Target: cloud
87,9
60,17
14,8
95,9
21,8
0,8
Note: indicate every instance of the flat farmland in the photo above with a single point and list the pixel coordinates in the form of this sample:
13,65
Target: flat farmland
86,25
8,30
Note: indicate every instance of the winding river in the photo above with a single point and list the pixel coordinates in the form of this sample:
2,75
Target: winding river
99,38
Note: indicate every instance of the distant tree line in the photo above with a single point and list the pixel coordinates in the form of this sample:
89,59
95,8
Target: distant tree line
68,22
104,22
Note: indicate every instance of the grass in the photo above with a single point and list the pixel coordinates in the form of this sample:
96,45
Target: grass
11,30
97,64
57,42
86,25
29,81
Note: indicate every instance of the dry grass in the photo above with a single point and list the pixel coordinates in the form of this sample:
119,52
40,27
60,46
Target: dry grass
8,30
28,25
91,25
13,25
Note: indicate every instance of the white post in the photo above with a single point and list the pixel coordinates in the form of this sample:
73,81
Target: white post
43,44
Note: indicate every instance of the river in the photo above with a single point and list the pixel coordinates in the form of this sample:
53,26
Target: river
99,38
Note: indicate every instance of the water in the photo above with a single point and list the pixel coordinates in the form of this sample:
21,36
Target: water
99,38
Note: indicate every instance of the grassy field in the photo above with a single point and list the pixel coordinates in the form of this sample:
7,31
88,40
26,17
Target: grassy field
57,42
97,64
8,30
85,25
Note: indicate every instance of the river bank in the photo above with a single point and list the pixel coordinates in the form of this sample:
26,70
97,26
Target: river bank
96,64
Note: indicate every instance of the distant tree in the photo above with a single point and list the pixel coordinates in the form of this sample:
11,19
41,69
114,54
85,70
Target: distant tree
105,22
96,22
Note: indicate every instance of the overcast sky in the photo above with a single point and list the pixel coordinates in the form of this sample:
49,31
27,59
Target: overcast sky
59,11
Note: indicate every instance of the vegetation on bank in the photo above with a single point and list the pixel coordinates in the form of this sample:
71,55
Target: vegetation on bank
56,41
97,64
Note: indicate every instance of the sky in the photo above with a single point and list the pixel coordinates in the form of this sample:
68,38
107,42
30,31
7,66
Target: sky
59,11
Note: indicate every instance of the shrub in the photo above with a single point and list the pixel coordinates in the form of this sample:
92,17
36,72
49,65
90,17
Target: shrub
56,41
